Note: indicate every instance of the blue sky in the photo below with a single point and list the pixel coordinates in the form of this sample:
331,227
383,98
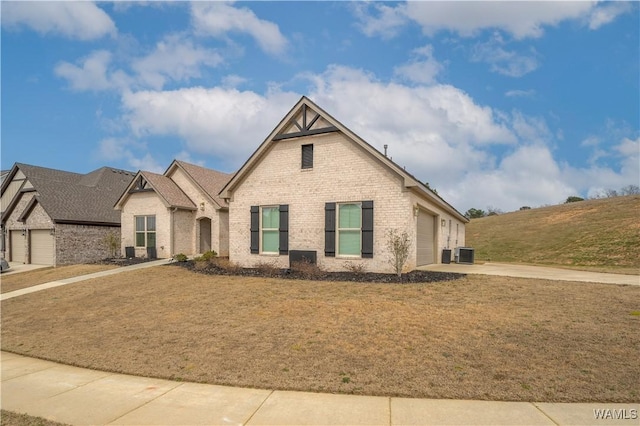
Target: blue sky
495,104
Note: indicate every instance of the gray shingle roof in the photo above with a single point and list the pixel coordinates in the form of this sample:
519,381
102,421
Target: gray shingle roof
168,190
76,198
211,181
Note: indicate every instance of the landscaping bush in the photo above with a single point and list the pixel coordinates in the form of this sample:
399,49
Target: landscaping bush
180,257
206,256
306,269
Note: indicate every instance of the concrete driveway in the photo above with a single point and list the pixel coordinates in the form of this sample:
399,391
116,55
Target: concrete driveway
540,272
15,267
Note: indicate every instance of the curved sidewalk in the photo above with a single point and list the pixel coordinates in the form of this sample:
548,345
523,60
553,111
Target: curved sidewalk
79,278
530,271
78,396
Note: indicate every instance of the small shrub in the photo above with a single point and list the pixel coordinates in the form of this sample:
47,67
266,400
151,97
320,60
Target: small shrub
307,269
180,257
266,268
111,241
398,245
206,256
226,265
356,268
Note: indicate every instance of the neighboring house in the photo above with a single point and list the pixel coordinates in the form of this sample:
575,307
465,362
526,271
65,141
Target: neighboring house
176,212
53,217
313,188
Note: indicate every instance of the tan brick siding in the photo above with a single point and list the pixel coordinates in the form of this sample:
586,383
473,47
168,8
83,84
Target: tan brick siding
146,204
342,172
184,225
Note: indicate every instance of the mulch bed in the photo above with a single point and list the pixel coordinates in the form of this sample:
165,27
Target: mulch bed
311,273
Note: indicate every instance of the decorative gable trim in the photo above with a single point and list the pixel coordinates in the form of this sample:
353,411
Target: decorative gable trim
28,209
140,185
306,123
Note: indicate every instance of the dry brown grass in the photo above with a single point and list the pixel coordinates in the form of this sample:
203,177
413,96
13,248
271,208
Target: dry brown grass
9,418
601,235
21,280
476,338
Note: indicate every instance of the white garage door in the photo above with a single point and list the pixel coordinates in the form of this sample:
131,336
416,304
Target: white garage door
425,240
17,246
41,247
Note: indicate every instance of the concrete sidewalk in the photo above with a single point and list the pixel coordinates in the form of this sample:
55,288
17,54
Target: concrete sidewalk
72,280
79,396
529,271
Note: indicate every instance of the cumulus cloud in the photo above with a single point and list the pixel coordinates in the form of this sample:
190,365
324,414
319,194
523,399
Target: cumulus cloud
519,19
218,18
78,20
133,152
175,58
607,13
502,61
422,69
92,73
225,123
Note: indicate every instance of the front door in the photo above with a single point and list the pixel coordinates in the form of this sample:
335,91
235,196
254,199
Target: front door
205,234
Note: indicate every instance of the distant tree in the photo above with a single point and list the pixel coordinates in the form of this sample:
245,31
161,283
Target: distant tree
610,193
573,199
493,211
630,190
475,213
525,208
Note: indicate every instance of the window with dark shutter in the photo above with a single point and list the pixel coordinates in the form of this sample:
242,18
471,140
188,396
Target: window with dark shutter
367,229
284,229
330,229
307,156
255,229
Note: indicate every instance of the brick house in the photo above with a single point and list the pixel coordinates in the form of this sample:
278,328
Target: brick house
314,188
54,217
175,212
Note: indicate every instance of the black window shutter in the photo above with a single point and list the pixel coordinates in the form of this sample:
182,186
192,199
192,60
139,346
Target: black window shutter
330,229
307,156
255,229
284,228
367,229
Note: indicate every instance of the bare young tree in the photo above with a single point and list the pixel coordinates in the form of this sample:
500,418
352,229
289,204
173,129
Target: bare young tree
398,244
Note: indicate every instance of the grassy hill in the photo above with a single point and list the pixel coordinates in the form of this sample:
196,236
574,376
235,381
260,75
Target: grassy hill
600,234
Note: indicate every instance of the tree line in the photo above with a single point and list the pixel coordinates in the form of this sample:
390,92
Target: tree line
474,213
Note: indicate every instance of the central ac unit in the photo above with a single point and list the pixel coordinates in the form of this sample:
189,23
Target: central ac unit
464,255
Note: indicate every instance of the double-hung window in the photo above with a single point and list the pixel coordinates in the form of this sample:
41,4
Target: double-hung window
349,229
145,231
270,229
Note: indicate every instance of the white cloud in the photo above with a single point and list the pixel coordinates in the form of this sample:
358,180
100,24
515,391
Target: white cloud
520,19
473,155
517,93
607,13
115,149
422,69
91,73
387,22
218,18
81,20
174,58
225,123
505,62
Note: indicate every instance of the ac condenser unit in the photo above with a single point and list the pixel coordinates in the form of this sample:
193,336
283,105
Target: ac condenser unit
464,255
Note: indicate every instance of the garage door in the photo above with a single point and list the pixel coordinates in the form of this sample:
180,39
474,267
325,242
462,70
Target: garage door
17,246
41,247
425,240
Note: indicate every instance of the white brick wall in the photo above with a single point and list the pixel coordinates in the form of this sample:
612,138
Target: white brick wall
341,172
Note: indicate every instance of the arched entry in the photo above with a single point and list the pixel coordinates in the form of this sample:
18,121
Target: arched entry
205,234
